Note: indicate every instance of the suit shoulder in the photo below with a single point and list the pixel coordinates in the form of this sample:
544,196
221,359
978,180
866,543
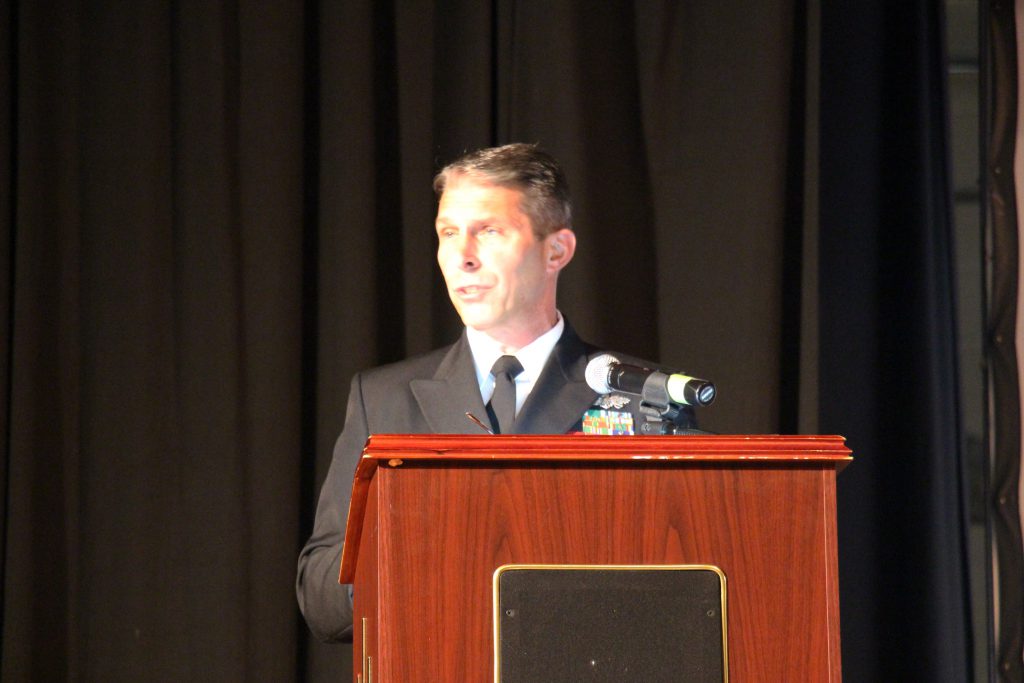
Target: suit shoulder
421,366
629,359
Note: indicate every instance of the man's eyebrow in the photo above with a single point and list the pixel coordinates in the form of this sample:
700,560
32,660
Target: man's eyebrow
485,220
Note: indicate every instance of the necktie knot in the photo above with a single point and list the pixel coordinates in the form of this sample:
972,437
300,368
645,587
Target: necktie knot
502,408
507,365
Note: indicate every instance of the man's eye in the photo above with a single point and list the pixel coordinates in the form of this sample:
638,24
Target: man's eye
490,230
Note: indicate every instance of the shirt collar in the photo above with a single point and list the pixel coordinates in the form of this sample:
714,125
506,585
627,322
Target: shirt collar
533,356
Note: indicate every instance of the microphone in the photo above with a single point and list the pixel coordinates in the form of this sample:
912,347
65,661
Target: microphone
605,373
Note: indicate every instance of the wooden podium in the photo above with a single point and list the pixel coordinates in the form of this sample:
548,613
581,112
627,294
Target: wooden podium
433,517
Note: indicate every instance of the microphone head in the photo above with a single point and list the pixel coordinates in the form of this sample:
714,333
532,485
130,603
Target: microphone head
598,370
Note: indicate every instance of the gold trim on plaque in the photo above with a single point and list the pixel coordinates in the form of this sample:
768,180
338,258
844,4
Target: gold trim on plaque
366,657
495,600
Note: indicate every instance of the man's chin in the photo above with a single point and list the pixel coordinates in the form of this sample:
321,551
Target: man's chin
478,320
477,324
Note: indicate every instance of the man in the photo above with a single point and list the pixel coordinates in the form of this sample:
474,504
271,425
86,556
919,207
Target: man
504,231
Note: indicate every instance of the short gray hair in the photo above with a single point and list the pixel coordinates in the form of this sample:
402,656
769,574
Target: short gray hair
524,167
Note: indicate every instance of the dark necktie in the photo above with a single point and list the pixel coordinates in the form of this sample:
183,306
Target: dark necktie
502,408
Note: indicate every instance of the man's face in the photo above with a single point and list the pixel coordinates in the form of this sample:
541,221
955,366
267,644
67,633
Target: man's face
500,276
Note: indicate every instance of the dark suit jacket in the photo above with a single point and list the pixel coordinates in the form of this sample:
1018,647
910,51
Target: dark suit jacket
426,395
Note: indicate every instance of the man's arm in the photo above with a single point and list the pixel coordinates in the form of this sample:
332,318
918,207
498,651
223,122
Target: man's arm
325,603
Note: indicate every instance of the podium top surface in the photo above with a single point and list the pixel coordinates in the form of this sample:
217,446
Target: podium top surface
404,450
596,448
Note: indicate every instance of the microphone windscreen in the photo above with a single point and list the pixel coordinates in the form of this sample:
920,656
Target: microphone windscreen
598,370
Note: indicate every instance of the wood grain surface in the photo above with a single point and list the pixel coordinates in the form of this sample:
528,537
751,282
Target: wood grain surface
439,521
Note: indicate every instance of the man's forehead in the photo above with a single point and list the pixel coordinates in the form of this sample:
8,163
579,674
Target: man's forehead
478,196
471,184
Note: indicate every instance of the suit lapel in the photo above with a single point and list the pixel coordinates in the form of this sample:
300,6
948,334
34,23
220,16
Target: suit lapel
453,391
561,394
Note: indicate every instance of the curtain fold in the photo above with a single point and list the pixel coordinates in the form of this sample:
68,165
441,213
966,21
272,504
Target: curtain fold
888,364
155,377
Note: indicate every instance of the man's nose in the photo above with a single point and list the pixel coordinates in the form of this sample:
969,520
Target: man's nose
468,253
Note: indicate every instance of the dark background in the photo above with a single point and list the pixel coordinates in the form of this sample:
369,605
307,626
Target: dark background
213,213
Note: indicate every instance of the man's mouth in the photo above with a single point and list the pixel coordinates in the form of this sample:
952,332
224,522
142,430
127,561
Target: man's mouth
469,291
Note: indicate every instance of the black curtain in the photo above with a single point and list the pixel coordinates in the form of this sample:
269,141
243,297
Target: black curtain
888,341
214,213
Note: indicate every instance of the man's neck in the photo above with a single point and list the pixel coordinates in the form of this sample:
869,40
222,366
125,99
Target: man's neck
511,341
513,344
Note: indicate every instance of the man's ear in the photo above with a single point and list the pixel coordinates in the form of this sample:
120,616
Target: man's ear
559,249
